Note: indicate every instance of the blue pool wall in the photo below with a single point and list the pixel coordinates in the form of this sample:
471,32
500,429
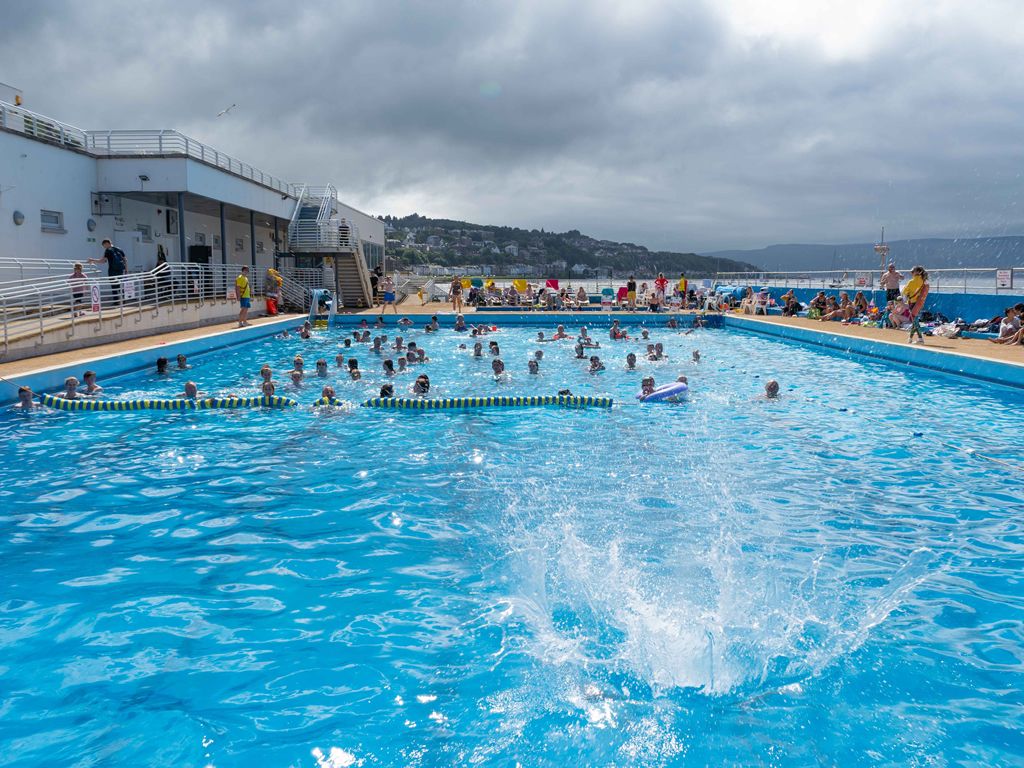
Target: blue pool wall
52,379
900,353
969,306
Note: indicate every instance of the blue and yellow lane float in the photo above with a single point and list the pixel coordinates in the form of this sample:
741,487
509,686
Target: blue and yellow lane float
500,401
175,404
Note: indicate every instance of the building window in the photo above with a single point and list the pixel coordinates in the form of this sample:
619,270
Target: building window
146,231
52,221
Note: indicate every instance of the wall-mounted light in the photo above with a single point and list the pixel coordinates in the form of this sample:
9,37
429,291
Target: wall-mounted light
91,225
143,177
19,218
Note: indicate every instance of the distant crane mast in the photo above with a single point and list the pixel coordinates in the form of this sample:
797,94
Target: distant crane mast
883,252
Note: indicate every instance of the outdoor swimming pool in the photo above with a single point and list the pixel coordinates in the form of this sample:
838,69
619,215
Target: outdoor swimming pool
727,581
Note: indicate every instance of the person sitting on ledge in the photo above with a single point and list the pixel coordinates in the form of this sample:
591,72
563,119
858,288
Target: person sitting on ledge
1008,327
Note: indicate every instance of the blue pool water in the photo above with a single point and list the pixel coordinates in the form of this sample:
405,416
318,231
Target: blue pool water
731,581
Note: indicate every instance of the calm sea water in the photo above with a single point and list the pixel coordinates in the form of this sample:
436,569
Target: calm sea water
726,581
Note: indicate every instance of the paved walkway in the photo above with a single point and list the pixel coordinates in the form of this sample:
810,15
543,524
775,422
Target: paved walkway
71,357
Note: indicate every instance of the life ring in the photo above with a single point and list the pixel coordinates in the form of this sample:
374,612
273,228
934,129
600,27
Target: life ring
666,393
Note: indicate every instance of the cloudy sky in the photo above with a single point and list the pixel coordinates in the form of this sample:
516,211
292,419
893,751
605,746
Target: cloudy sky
680,125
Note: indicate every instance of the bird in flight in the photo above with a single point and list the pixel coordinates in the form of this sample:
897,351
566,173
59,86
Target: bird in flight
225,111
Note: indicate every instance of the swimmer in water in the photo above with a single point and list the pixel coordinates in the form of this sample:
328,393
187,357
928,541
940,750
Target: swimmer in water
696,355
268,389
363,323
161,365
25,401
410,356
399,343
379,323
460,323
493,346
538,355
771,389
298,363
365,338
659,350
306,331
672,322
353,369
387,391
631,362
327,393
355,335
347,344
561,334
651,354
70,389
580,353
421,356
284,334
498,366
266,374
698,322
646,386
321,368
540,337
296,377
645,335
91,387
532,366
402,365
182,363
389,367
376,345
339,361
596,366
421,385
191,391
405,321
478,349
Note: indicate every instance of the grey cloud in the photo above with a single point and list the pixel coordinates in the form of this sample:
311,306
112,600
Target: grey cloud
654,125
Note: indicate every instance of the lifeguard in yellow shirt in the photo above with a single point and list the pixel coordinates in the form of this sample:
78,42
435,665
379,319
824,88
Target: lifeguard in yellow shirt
244,293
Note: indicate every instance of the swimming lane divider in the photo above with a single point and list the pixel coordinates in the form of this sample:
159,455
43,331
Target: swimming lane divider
501,401
176,404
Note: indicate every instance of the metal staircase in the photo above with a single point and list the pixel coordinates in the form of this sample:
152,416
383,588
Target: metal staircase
316,229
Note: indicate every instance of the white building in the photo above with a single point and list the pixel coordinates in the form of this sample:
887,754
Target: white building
64,190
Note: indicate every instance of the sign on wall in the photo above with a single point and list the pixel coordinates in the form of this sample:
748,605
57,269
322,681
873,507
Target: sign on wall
130,289
95,295
1004,278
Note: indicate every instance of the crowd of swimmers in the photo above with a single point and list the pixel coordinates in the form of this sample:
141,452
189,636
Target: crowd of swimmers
399,356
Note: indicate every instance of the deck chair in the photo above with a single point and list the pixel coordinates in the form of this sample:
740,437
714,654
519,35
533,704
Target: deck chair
622,297
761,301
476,282
519,285
551,283
607,295
466,283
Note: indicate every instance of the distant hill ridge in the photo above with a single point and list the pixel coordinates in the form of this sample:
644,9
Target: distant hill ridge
418,239
932,253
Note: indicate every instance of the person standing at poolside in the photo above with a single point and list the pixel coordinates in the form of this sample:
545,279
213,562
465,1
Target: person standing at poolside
389,294
117,265
79,282
631,293
455,289
916,292
683,284
660,286
891,282
244,293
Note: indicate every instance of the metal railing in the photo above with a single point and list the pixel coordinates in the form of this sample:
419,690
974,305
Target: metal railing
21,120
47,305
165,142
158,143
944,280
17,270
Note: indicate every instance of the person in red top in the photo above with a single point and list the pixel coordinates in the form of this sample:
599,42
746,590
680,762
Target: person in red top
661,285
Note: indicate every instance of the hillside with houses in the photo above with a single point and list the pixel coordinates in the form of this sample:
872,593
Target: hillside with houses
445,246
